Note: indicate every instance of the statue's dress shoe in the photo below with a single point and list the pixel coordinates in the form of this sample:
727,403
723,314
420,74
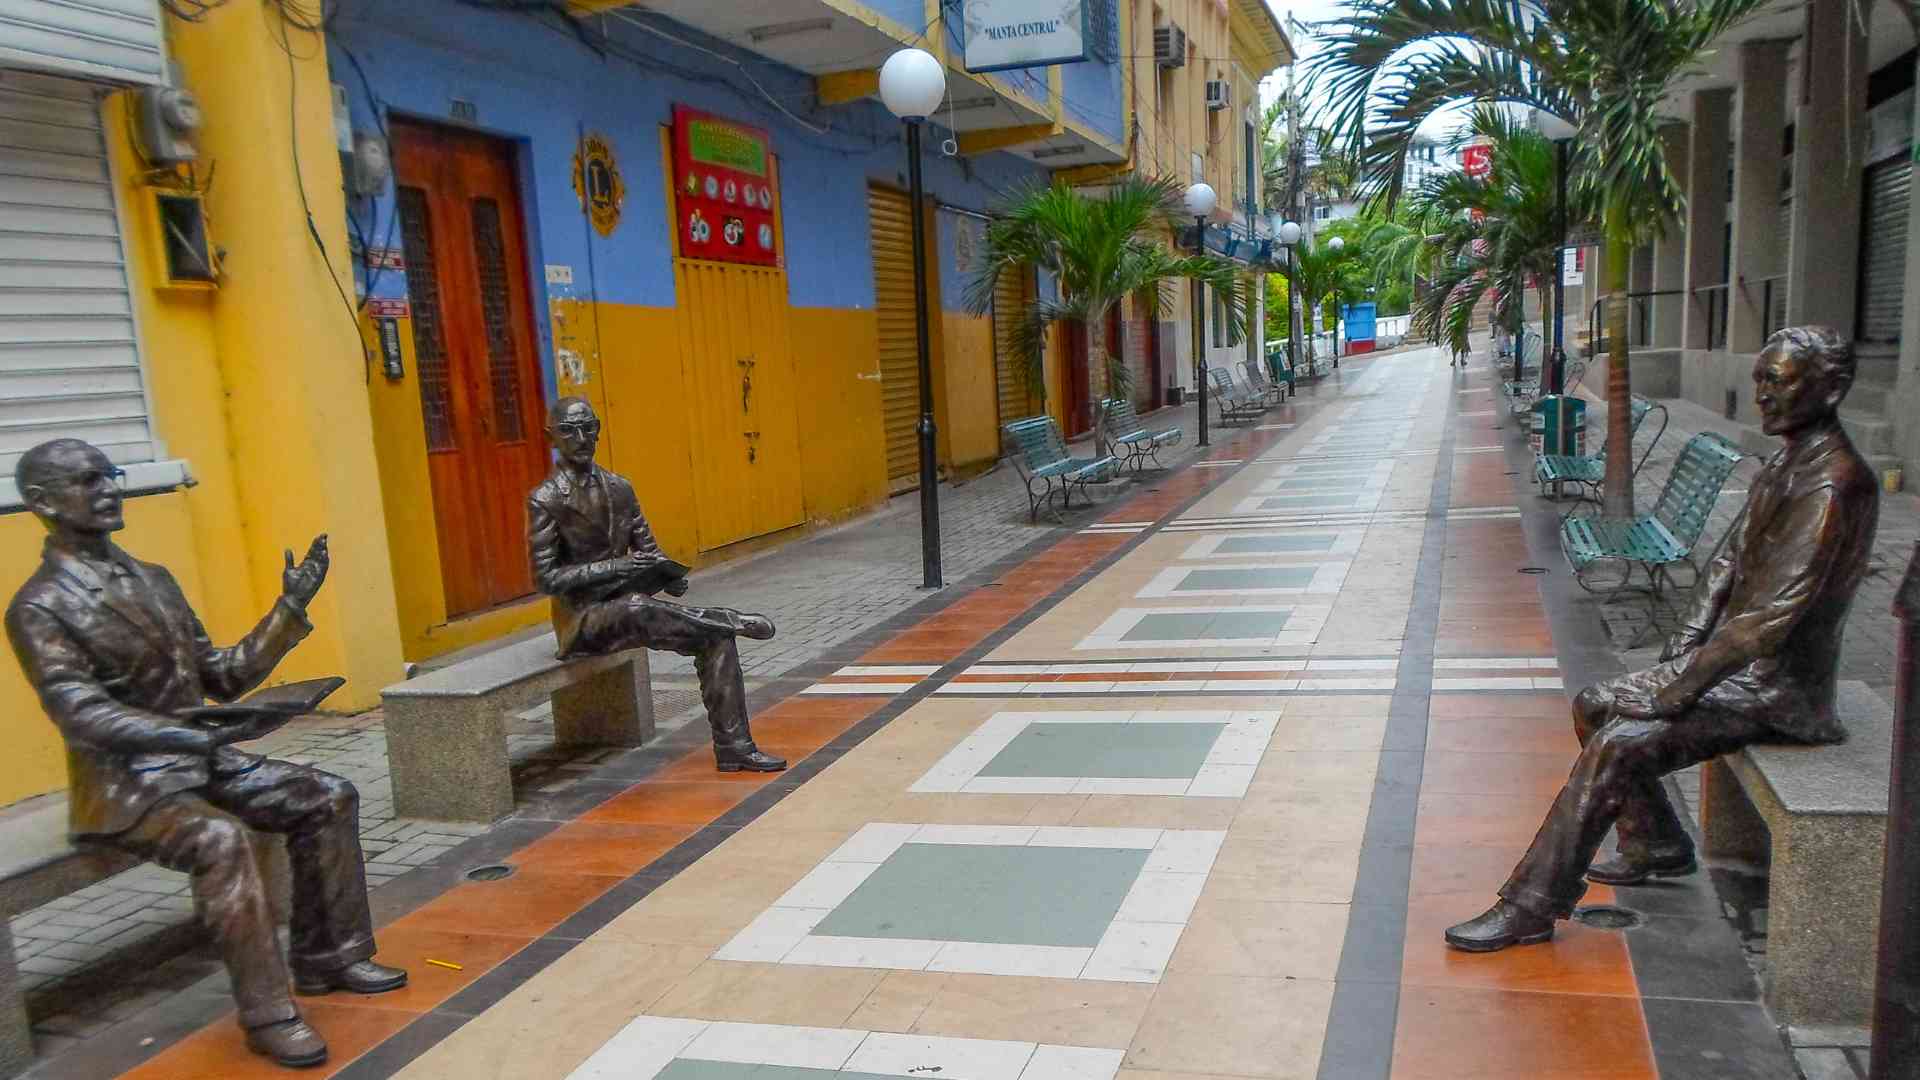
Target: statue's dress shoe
753,760
757,627
290,1043
364,977
1619,871
1501,926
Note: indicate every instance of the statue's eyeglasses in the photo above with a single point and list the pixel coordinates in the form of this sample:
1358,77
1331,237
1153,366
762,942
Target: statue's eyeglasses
578,429
90,479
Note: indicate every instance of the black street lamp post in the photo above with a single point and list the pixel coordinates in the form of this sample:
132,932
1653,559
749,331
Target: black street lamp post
912,83
1200,203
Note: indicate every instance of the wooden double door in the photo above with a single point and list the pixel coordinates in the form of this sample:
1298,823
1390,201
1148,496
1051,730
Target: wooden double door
475,358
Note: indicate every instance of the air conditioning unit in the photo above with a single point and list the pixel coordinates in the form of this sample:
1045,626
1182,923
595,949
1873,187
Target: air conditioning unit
1216,94
1169,46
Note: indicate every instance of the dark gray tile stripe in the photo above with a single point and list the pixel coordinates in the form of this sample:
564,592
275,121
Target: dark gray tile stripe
1366,993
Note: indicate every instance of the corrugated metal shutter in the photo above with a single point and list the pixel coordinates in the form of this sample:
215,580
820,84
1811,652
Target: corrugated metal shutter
892,215
69,365
1883,256
1009,371
111,40
1783,241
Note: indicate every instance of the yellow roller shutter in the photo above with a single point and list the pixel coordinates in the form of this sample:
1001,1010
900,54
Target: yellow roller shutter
892,215
1010,378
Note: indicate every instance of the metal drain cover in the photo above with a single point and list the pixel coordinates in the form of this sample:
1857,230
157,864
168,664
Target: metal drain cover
490,872
1607,917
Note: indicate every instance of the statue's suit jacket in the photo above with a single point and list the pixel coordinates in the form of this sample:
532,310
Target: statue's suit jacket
1763,629
575,551
111,672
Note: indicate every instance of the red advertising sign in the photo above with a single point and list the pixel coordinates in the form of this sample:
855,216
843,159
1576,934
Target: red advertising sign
725,197
1476,160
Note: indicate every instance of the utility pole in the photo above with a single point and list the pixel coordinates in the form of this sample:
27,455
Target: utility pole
1296,188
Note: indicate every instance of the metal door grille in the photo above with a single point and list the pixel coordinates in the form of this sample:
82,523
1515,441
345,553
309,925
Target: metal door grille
496,310
429,332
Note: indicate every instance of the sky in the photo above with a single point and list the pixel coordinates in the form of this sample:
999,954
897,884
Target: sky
1306,44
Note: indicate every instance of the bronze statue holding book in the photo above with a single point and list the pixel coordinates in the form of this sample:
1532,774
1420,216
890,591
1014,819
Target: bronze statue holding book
594,554
124,669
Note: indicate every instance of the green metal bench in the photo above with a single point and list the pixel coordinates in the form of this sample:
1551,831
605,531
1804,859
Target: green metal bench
1522,391
1042,458
1234,402
1603,553
1588,471
1283,370
1133,438
1270,392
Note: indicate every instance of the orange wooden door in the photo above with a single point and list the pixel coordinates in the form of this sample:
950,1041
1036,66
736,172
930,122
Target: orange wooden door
475,359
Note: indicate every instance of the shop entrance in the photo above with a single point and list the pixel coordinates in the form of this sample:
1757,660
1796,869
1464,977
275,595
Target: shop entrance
480,388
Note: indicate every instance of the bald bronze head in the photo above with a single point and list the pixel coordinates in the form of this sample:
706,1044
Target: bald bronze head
575,432
72,487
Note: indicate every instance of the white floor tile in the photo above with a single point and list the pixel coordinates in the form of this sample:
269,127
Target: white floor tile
1133,952
1073,1063
1158,897
1011,835
1117,785
772,935
1186,851
1081,836
827,885
928,1056
874,843
1222,781
775,1044
889,669
909,954
645,1046
1033,961
1020,785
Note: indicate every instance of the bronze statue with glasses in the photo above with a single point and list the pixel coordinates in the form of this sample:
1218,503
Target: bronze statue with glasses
1755,660
595,555
124,668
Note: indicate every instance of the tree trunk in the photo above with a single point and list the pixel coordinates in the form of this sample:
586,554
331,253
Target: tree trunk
1097,376
1617,502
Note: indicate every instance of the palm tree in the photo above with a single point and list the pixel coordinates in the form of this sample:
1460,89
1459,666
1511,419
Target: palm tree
1494,233
1099,249
1323,272
1601,65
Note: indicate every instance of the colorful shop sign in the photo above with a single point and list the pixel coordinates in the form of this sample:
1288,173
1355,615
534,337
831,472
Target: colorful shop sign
725,193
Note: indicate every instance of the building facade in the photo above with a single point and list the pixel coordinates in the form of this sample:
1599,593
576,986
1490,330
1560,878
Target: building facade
341,295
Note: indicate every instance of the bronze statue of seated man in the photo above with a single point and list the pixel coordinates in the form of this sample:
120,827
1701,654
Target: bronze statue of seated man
122,665
594,554
1754,662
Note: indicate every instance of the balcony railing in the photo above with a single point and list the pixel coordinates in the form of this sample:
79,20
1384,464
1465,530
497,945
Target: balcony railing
1712,301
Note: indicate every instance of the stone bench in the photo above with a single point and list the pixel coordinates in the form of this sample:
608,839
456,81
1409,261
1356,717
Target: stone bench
1817,816
39,864
447,730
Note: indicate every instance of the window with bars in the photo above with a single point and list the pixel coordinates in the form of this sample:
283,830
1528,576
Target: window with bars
429,341
503,360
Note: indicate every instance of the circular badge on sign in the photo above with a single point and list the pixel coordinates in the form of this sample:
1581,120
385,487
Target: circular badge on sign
597,181
713,188
734,231
752,198
733,191
698,230
766,198
766,237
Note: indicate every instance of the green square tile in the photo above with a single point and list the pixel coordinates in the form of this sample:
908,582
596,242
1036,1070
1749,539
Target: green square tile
697,1069
1264,545
1278,577
1133,751
994,894
1207,625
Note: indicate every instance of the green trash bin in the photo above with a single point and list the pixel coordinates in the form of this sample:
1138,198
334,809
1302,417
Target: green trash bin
1560,425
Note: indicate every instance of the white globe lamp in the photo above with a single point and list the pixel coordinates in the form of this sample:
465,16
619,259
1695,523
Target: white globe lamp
1289,232
1337,243
1552,126
1200,198
912,84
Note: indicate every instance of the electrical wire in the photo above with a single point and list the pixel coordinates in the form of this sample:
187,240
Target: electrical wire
634,21
372,271
192,11
292,16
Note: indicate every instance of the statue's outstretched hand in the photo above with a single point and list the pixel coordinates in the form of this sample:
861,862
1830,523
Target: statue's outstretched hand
302,582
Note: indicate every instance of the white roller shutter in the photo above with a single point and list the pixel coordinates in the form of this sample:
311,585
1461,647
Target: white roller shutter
111,40
1883,256
69,361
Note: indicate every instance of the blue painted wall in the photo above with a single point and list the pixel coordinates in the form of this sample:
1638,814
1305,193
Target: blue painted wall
534,81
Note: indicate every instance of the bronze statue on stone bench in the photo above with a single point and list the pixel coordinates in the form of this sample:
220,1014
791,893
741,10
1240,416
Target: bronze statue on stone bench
594,554
124,668
1755,661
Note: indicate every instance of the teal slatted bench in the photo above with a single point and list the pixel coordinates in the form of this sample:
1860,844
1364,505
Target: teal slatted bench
1589,471
1603,553
1133,438
1043,461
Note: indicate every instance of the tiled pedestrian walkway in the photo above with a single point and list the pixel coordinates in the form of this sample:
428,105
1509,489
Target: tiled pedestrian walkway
1190,791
